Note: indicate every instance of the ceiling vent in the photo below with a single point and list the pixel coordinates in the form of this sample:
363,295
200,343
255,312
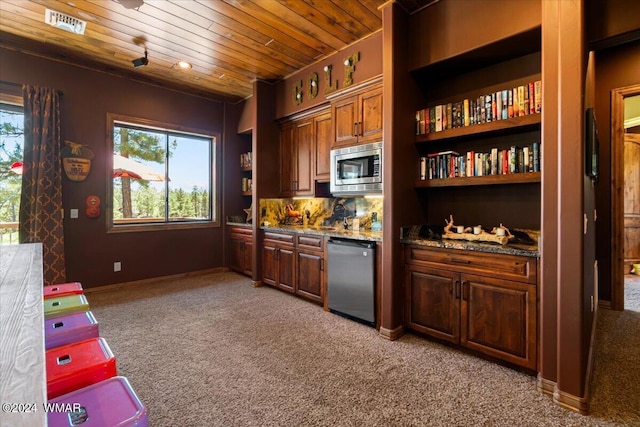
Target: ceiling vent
64,22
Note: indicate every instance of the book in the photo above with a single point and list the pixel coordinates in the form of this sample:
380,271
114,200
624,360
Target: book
465,112
494,107
525,159
432,120
505,162
470,160
537,95
449,114
423,168
513,158
536,157
520,100
505,105
532,102
510,103
488,108
526,99
438,114
444,118
516,103
493,162
499,105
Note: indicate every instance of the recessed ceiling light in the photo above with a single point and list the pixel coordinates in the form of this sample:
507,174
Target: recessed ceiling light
184,65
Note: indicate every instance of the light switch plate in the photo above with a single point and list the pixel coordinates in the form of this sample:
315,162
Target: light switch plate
73,213
117,266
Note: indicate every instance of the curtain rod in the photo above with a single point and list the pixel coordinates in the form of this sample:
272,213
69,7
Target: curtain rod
4,82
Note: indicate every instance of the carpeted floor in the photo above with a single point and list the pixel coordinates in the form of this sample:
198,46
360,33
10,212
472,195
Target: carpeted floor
632,292
214,351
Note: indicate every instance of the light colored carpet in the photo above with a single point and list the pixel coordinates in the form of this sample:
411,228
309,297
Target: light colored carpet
632,292
213,351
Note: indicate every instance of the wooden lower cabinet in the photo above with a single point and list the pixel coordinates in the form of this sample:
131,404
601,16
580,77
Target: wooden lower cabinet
310,267
294,263
472,305
278,261
241,250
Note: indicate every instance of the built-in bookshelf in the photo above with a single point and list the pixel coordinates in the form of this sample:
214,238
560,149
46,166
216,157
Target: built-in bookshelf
512,164
247,170
476,131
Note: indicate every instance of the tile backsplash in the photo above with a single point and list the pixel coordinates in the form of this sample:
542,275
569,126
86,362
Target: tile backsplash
323,212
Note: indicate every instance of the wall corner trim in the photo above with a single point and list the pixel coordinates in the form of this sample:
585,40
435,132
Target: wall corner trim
392,334
545,386
569,401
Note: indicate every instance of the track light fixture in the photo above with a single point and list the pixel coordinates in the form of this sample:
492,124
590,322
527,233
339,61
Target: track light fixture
141,62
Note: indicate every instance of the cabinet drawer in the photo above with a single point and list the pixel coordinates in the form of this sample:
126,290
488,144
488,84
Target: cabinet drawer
511,267
240,233
275,237
312,243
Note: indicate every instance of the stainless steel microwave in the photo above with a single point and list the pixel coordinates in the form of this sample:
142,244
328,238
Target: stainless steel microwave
356,170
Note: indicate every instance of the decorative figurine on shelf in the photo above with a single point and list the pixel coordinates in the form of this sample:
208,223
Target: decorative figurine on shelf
500,234
249,213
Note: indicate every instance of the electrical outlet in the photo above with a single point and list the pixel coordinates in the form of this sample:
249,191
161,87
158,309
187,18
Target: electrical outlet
73,213
117,266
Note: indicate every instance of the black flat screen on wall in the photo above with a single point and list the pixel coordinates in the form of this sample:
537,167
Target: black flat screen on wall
591,145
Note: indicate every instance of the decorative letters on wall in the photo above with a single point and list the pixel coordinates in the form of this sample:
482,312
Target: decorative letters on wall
330,85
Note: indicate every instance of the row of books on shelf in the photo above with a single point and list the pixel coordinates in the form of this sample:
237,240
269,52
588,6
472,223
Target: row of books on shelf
246,184
245,160
450,164
503,104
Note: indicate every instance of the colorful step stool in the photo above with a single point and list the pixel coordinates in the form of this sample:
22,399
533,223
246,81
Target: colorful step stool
62,306
62,289
111,402
78,365
70,329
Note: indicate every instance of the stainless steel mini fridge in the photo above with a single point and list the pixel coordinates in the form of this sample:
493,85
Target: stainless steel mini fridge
351,278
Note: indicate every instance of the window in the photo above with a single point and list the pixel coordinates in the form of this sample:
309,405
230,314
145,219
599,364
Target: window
11,149
161,177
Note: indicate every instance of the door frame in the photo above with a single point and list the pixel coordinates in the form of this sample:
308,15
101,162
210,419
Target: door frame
617,192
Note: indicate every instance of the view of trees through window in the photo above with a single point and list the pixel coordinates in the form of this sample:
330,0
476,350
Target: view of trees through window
11,148
160,176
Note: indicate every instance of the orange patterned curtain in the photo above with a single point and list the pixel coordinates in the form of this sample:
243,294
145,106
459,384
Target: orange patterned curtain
41,200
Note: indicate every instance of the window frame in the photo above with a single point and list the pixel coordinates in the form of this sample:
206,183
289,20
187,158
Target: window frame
216,187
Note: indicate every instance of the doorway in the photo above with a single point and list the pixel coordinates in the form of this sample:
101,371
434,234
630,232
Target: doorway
625,167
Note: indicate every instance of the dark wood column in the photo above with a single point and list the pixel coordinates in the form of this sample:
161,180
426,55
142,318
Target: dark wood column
548,286
563,34
401,206
266,162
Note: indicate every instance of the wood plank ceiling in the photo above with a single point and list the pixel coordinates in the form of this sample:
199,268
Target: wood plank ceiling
230,43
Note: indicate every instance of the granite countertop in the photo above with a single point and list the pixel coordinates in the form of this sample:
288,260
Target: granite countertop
239,224
521,248
375,236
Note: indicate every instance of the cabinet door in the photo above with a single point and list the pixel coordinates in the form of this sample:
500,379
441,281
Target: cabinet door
303,179
236,255
286,269
498,318
269,265
287,160
345,114
322,125
310,276
248,258
370,116
433,307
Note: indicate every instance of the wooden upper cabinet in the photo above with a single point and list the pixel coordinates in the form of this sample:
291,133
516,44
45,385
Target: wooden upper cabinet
303,179
296,154
370,109
287,159
357,119
322,125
